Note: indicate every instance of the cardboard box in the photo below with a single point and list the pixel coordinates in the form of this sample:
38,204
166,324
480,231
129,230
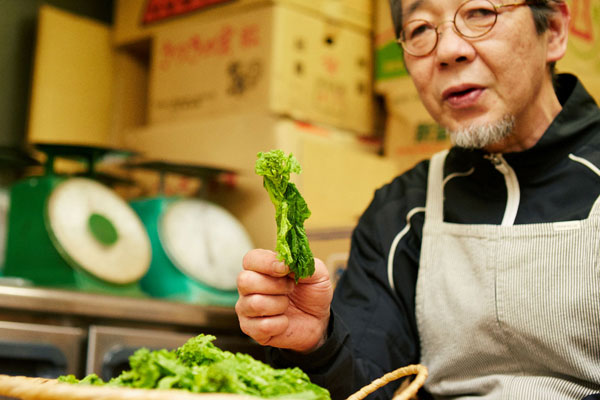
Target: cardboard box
130,92
332,246
338,178
136,20
273,58
71,95
388,60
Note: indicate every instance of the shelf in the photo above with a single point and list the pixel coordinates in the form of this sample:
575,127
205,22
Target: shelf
99,306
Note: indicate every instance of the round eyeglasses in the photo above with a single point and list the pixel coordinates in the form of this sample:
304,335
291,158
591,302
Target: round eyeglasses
473,19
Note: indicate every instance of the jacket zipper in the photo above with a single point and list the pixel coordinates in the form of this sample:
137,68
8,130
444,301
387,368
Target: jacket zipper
512,188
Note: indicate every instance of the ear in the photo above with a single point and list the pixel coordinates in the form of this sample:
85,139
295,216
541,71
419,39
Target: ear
558,32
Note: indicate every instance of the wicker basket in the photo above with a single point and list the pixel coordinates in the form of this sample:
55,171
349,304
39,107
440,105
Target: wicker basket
25,388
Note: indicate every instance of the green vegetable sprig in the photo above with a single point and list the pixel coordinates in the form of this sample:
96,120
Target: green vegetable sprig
290,211
200,367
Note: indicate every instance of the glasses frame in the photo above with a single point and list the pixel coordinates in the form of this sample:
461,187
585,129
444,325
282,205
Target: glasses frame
495,7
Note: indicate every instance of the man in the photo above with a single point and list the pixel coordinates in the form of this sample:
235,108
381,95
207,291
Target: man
483,263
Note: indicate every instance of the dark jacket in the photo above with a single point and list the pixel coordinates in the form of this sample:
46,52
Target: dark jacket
373,327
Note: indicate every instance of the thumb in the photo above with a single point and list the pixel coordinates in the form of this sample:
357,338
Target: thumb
321,273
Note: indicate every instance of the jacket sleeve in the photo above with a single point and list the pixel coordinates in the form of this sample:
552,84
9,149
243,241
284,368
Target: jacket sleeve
372,330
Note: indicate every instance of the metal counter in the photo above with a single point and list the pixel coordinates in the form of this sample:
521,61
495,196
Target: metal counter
71,305
48,332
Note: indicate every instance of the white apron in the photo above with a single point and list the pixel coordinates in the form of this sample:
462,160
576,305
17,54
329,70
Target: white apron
508,312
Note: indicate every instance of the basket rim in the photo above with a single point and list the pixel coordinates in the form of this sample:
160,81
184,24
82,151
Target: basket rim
31,388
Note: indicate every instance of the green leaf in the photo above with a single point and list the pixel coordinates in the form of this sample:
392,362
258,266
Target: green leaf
291,211
201,367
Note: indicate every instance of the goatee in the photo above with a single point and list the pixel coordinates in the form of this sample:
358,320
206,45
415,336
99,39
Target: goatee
481,136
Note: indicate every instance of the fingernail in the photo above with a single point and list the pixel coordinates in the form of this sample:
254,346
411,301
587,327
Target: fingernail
280,267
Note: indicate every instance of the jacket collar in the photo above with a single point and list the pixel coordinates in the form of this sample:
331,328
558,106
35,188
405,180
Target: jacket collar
570,127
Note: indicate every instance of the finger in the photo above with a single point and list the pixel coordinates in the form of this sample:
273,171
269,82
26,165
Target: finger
257,305
263,329
321,273
265,262
250,282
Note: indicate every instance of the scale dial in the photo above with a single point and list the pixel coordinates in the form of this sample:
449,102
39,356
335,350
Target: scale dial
204,241
96,230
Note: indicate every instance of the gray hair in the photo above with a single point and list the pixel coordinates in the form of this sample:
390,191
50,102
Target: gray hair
481,136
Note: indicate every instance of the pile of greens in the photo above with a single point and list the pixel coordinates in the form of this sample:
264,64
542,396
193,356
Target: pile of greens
200,367
290,211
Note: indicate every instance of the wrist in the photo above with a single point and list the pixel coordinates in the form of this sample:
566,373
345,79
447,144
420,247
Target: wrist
325,329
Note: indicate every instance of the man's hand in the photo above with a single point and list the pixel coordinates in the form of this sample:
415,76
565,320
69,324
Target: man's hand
275,311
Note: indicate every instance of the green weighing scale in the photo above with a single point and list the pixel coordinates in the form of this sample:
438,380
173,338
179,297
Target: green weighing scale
14,161
73,232
197,246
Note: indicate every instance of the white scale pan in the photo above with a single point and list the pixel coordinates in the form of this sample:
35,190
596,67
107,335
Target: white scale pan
96,230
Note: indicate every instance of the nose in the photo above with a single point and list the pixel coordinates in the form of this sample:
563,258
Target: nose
452,47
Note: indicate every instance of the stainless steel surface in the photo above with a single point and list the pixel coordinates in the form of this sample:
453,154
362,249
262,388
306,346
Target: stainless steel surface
118,323
103,341
106,342
67,340
79,304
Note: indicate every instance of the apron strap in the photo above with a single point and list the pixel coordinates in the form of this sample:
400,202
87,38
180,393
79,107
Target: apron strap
434,207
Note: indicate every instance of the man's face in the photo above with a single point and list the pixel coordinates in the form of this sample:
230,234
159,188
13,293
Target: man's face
476,82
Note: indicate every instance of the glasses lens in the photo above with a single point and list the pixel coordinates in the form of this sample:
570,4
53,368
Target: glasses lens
418,37
475,18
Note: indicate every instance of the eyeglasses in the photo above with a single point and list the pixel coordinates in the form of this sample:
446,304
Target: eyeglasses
473,19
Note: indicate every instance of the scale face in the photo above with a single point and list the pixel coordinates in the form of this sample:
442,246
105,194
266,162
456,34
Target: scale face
96,230
75,233
204,241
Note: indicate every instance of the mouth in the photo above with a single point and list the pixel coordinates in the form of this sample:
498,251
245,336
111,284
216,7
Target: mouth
462,96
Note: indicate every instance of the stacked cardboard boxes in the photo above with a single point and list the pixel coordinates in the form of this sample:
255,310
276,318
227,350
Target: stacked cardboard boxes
311,61
228,79
71,92
137,20
275,58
